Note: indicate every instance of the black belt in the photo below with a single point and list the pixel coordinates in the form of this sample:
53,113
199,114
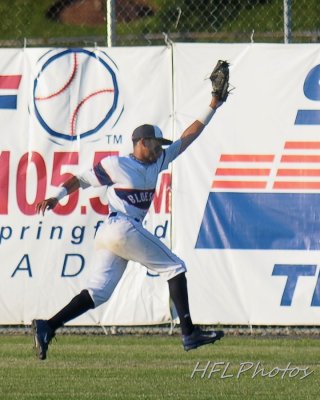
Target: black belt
114,214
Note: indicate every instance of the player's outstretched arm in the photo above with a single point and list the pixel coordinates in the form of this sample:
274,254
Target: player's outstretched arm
71,185
194,130
220,90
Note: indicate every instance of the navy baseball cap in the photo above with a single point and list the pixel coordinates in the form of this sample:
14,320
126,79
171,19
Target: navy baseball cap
147,131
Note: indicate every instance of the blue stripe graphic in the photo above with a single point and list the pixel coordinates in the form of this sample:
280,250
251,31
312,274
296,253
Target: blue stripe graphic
266,221
8,102
308,117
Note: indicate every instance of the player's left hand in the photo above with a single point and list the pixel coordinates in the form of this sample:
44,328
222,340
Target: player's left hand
220,81
47,204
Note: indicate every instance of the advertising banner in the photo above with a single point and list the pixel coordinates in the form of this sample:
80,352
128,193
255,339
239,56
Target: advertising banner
240,206
248,190
61,111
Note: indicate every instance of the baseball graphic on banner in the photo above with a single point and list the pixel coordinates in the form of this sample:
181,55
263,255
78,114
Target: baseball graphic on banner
76,93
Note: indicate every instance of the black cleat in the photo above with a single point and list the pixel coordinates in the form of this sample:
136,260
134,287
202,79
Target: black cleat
43,335
199,338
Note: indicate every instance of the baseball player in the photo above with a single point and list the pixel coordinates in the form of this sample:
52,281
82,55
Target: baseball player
131,182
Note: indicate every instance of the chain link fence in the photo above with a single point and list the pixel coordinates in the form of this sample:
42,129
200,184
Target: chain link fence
150,22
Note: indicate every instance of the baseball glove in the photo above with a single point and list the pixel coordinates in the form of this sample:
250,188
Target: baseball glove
220,80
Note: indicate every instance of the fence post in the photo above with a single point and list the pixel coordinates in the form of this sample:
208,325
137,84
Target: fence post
111,22
287,20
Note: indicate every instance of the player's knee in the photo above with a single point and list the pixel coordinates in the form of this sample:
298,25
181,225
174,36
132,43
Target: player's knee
99,297
176,270
181,268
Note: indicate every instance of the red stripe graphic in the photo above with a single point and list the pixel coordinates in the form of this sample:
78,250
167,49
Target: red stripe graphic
247,157
300,158
298,172
239,185
302,145
243,171
10,81
281,172
296,185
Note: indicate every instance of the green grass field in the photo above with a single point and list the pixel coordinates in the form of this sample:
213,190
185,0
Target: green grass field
155,367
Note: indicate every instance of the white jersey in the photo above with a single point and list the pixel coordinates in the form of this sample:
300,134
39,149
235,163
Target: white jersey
131,183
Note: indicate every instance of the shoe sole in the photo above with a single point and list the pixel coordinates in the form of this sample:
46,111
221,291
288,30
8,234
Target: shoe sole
37,346
203,342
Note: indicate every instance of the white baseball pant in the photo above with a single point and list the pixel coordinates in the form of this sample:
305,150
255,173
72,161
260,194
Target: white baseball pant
120,239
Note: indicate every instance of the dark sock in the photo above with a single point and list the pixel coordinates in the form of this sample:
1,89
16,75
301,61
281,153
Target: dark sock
179,295
77,306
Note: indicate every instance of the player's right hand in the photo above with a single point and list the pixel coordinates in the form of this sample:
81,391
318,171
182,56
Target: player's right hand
47,204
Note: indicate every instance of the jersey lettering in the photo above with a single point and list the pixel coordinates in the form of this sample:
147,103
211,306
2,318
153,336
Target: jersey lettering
138,198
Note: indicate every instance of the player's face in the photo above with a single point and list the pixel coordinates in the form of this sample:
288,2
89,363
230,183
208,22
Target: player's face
153,149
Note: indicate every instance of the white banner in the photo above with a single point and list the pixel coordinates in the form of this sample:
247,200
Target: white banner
245,196
62,110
